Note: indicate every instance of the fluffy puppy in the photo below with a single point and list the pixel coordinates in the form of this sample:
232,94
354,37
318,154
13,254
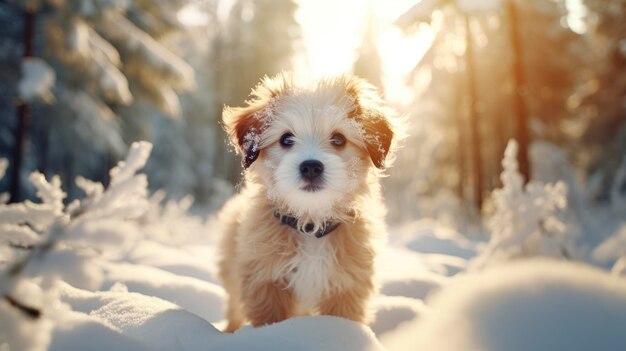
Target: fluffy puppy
299,238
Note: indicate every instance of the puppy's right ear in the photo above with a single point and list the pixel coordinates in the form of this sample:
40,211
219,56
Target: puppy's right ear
244,126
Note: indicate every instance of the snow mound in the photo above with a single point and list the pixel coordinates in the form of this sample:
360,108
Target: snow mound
529,305
203,298
303,334
131,321
391,311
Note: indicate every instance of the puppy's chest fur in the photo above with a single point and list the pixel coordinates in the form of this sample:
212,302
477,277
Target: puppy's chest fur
314,271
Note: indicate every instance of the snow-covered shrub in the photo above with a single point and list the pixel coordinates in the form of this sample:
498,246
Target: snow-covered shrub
48,241
525,221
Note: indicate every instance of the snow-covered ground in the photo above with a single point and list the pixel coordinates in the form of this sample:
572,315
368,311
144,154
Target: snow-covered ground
121,271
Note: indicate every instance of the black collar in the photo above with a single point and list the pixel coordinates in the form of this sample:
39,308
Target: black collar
293,223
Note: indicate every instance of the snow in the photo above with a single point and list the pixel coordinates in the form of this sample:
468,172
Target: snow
119,269
17,331
131,321
391,311
172,69
204,298
531,305
431,237
37,81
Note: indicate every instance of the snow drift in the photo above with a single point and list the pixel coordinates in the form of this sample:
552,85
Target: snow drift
528,305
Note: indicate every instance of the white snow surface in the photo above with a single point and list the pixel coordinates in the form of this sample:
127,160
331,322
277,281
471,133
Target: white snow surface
128,272
528,305
533,304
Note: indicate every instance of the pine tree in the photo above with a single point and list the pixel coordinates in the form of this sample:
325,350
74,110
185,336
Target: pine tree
103,60
525,71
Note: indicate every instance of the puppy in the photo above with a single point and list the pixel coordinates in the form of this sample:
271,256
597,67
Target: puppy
299,238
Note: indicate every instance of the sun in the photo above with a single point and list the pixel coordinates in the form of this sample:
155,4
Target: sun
332,33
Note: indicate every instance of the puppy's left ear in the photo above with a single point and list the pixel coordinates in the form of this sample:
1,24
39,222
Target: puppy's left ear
378,138
374,116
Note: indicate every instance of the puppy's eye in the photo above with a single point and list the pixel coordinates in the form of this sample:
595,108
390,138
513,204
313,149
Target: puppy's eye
338,139
286,140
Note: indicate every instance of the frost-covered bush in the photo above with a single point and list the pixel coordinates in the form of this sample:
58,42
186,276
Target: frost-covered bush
525,221
48,241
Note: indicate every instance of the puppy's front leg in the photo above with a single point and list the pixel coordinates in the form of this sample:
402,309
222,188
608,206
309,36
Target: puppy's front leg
267,302
350,304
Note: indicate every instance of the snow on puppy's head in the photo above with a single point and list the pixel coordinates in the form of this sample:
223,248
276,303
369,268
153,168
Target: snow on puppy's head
316,142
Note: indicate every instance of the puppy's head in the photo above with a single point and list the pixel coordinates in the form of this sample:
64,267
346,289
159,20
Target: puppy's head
312,146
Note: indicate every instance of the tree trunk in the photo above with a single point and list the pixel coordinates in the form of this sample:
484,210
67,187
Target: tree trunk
473,117
44,147
521,118
461,142
23,113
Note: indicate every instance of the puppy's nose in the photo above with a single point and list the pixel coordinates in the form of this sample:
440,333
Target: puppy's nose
311,169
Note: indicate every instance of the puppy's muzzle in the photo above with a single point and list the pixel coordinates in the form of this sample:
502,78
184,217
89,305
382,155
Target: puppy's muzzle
311,170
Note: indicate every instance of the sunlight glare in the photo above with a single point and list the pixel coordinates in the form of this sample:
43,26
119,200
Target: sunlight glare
332,33
190,15
576,12
400,54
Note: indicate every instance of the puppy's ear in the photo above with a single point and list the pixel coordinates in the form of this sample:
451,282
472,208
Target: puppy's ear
378,138
244,126
374,116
